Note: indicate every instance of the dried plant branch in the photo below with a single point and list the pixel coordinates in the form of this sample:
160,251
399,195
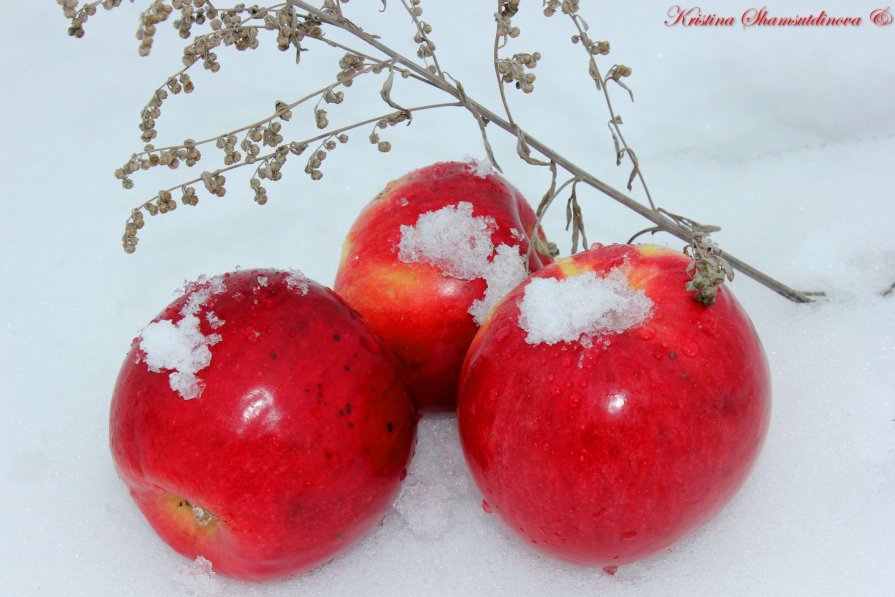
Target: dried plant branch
616,73
536,243
214,181
426,47
575,220
296,20
503,30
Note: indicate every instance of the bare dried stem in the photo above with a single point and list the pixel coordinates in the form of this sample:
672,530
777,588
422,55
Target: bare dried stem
614,119
423,36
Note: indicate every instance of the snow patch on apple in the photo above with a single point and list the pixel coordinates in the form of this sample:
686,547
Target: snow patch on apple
297,282
451,239
181,347
479,168
213,320
459,244
501,275
580,308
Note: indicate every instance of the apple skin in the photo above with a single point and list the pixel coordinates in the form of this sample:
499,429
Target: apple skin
594,482
421,313
296,445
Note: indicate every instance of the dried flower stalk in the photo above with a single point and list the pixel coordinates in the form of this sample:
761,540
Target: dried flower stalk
295,24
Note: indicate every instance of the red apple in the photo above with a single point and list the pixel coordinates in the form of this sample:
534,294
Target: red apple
428,258
258,422
605,413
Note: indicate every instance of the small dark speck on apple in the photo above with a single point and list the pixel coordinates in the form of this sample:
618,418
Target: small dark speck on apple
273,356
337,337
672,355
390,427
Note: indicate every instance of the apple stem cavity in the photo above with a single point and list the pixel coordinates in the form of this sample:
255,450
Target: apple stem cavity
201,516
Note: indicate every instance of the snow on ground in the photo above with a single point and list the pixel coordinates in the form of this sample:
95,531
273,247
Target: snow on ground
783,137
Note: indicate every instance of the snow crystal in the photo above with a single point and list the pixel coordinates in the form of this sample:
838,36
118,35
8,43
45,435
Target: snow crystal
501,275
580,307
213,320
197,579
200,291
451,239
181,347
262,280
403,202
480,168
459,244
297,282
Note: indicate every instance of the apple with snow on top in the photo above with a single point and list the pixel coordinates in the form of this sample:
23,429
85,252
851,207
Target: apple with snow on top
426,261
259,423
605,413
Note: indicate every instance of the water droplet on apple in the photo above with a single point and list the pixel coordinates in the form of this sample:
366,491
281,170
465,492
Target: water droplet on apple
658,354
691,349
574,399
629,535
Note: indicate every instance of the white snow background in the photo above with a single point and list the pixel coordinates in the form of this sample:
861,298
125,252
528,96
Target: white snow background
785,137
